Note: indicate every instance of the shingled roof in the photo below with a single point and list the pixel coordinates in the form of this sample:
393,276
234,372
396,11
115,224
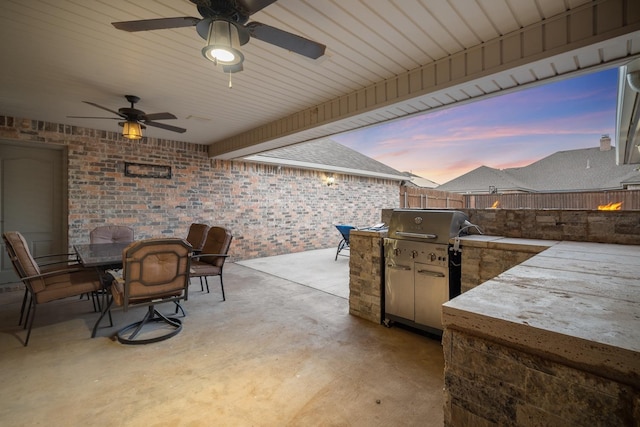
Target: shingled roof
327,155
588,169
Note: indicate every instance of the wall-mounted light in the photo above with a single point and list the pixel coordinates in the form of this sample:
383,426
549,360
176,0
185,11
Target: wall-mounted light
330,180
633,78
132,130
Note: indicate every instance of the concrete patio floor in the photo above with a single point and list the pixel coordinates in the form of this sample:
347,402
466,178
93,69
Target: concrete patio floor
278,352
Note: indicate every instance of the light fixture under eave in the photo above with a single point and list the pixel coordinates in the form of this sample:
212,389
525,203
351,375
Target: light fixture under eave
223,43
132,130
633,78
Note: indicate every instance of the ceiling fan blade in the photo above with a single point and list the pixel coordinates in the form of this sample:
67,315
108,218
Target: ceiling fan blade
166,127
87,117
286,40
159,116
253,6
105,109
156,24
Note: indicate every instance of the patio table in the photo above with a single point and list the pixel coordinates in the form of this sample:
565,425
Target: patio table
102,256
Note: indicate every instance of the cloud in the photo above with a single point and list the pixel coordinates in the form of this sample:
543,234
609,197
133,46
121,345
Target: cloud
504,131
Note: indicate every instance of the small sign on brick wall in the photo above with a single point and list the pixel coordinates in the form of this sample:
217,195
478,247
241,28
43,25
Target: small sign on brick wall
144,170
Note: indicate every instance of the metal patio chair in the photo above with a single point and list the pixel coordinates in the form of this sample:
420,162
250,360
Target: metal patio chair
344,230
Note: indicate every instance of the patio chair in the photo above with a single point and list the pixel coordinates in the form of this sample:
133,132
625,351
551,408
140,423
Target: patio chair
211,260
197,235
46,284
46,263
111,234
154,271
344,230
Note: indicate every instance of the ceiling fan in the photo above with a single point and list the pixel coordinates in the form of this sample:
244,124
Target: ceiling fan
134,119
223,25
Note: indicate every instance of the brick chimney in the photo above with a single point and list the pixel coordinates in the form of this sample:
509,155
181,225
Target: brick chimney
605,143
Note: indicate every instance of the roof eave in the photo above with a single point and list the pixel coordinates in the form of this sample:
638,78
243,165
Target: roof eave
325,168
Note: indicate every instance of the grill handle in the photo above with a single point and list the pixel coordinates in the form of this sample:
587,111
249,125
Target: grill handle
430,273
418,235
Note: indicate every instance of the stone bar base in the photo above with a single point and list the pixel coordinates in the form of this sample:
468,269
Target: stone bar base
365,275
488,384
553,341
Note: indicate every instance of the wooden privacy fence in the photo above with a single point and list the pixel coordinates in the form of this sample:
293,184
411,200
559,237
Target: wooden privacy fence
422,198
628,199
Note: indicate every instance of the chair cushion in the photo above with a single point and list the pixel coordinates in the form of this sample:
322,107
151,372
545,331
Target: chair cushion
217,242
197,235
153,269
24,259
111,234
66,285
199,268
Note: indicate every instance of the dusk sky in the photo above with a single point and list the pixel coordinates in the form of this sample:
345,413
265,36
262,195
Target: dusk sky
501,132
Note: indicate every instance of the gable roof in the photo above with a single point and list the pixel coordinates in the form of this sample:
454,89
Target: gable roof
588,169
327,155
419,181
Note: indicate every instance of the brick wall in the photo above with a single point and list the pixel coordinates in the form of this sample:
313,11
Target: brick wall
270,210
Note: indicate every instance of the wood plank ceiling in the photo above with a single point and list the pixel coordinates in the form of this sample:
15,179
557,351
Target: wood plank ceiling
385,59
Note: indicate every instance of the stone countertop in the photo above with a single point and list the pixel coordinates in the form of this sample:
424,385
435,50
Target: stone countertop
378,233
484,241
577,303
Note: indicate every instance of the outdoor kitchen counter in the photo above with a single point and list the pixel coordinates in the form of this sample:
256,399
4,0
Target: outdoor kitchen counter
575,303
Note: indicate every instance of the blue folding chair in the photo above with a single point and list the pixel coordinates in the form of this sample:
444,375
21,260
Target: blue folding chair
344,230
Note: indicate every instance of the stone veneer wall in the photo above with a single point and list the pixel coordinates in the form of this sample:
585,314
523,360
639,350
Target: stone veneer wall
491,384
365,275
270,210
619,227
480,264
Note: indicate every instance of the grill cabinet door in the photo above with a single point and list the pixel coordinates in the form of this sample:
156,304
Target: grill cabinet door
431,291
398,281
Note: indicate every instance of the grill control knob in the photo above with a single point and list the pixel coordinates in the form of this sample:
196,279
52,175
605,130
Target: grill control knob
432,257
414,254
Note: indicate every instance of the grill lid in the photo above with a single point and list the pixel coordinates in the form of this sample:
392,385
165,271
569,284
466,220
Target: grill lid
426,225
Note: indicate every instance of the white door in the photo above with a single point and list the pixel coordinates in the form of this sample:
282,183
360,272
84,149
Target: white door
32,200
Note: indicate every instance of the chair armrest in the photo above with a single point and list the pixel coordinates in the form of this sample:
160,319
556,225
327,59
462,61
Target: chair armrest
70,258
53,273
55,255
116,274
70,263
201,255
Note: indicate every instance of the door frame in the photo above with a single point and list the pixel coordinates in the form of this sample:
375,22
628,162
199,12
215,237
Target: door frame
64,204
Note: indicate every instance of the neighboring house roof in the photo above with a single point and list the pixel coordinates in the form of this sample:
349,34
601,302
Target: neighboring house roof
330,156
588,169
419,181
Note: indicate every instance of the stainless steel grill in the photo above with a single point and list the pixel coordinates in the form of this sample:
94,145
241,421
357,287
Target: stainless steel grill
422,269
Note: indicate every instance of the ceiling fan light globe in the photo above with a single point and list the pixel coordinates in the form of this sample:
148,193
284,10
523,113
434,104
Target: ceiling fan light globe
132,130
223,43
223,55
